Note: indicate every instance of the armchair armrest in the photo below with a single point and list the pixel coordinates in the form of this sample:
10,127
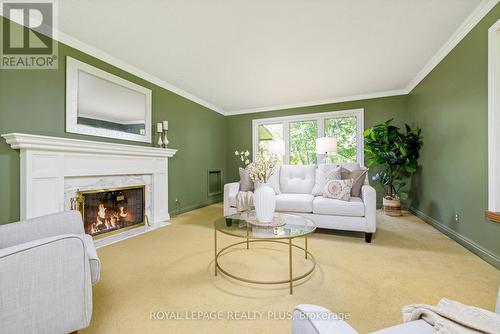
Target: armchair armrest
313,319
68,222
230,190
45,284
95,263
369,196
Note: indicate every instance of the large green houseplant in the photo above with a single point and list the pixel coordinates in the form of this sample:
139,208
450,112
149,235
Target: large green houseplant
397,154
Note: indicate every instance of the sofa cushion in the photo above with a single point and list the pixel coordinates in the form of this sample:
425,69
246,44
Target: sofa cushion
297,179
294,202
329,206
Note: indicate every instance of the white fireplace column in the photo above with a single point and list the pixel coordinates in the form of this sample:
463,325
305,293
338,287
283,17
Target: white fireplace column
47,161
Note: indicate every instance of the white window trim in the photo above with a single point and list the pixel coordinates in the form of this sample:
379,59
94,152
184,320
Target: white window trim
320,118
493,123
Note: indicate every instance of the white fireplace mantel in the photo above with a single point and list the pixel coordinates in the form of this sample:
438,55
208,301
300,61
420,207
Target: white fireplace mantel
58,144
46,162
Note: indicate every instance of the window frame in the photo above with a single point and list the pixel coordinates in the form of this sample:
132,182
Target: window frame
493,118
320,118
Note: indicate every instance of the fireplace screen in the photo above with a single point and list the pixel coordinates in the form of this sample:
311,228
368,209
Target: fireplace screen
108,210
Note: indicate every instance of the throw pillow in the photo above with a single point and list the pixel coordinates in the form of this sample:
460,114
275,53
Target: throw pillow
338,189
246,183
358,179
324,173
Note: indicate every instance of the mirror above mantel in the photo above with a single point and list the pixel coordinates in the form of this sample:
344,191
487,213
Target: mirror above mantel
101,104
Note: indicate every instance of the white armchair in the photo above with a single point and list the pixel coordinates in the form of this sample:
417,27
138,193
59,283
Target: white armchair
47,268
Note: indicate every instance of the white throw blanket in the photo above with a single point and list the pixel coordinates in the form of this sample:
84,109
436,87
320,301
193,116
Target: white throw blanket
451,317
244,201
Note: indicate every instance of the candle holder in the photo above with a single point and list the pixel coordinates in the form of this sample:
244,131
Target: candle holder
165,140
160,141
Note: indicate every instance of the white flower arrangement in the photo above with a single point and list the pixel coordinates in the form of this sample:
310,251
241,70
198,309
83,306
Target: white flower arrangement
243,156
262,168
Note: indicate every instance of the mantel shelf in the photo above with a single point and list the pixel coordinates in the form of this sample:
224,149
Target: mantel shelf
493,216
34,142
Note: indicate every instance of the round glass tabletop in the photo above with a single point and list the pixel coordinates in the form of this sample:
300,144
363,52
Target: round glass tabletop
238,226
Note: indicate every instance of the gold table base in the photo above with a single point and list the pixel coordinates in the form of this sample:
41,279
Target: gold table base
290,278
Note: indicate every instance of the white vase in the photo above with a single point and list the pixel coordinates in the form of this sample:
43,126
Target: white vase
264,200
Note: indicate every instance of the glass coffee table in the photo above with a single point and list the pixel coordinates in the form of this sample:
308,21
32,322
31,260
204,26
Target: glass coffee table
244,226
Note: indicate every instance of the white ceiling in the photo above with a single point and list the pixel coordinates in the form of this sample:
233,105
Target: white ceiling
239,54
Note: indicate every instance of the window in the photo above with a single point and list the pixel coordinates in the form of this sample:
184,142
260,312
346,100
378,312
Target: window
269,135
303,136
344,129
293,138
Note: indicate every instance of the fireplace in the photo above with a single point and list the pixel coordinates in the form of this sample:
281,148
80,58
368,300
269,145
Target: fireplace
107,211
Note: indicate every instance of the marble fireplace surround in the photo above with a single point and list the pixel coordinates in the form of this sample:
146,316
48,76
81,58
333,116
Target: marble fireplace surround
52,169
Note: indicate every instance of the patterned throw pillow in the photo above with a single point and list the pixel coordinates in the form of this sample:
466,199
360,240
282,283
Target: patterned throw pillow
325,173
338,189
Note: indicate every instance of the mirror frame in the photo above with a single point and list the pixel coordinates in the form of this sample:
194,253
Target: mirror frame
72,126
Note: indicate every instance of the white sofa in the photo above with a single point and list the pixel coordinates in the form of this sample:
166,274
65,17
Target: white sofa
295,187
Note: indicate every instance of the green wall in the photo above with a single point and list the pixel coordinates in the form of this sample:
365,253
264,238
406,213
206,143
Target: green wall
239,127
33,101
451,107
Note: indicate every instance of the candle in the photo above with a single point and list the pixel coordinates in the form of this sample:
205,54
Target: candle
159,127
165,125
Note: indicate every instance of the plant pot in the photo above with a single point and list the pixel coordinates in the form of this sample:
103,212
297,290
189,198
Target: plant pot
264,200
392,207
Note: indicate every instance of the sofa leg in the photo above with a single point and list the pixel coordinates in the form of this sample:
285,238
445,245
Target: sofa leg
368,237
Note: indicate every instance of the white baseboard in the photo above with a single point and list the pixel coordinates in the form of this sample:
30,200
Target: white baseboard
471,245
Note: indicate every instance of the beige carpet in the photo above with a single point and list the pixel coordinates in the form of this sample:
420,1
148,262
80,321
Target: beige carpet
171,270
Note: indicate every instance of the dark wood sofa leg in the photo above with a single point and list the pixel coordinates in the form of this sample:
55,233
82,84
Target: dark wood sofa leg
75,332
368,237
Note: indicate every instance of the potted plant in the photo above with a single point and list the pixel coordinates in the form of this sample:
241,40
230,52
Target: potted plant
397,153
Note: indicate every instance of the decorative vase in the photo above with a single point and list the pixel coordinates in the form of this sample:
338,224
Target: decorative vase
392,207
264,200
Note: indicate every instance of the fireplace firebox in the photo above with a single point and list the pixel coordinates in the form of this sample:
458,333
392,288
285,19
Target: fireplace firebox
107,211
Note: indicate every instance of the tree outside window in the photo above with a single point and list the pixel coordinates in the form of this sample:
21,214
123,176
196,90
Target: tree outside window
303,136
344,129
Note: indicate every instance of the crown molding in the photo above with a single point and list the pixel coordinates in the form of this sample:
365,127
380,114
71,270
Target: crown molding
106,57
320,102
470,22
